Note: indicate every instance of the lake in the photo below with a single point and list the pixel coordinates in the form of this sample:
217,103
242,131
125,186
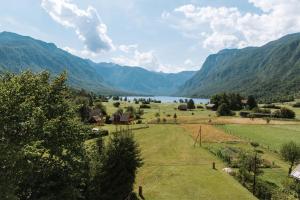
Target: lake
168,99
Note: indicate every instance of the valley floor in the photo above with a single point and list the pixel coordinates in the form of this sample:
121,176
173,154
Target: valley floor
174,168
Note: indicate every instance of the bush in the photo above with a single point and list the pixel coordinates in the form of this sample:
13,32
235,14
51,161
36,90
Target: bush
145,106
284,113
116,104
296,105
271,106
200,107
224,110
244,114
259,115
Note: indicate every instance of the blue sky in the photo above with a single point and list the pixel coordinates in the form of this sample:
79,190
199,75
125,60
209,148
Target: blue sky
160,35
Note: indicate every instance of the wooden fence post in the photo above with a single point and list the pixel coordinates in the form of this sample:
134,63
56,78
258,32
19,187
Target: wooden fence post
141,192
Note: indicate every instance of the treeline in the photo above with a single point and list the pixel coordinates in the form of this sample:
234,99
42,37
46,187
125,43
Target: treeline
43,154
225,104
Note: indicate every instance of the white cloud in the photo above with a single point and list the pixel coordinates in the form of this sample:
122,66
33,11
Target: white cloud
149,61
188,62
227,27
86,23
128,48
138,58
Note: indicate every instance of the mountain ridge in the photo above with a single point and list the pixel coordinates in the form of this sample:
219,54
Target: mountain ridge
19,53
270,70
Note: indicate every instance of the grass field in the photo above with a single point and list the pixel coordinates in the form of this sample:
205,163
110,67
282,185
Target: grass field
272,136
174,169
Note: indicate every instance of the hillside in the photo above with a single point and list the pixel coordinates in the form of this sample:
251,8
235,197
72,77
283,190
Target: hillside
270,71
139,80
19,53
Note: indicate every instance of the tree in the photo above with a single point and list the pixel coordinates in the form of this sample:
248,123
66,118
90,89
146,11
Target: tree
102,107
175,117
41,137
232,100
291,153
224,110
235,101
115,177
131,110
84,112
284,113
249,167
251,102
190,104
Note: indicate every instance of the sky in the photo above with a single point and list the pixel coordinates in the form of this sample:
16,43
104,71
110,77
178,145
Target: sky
159,35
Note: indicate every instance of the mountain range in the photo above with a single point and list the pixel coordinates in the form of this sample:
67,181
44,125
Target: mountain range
269,71
19,53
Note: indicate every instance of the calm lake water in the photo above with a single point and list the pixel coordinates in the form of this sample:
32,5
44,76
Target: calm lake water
167,99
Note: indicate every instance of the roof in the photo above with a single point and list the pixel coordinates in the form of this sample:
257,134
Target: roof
125,117
244,101
95,119
210,105
296,172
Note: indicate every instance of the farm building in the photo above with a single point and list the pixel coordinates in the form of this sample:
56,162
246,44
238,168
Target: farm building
296,173
121,118
210,106
182,107
96,119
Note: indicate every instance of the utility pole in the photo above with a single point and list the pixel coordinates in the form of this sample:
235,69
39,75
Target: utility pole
200,136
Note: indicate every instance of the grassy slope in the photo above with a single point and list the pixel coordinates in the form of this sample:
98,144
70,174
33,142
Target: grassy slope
174,169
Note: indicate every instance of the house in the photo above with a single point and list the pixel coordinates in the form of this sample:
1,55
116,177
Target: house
244,102
96,119
296,173
182,107
210,106
121,118
96,116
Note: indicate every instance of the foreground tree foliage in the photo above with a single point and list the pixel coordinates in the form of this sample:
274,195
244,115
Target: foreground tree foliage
42,154
115,176
41,136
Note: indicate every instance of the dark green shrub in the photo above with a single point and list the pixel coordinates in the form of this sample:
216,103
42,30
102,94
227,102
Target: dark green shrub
224,110
271,106
116,104
296,105
244,114
284,113
145,106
